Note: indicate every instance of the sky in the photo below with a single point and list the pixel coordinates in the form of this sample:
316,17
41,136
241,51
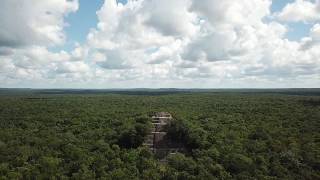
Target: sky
160,44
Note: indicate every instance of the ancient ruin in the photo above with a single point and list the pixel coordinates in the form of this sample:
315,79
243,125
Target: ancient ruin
157,140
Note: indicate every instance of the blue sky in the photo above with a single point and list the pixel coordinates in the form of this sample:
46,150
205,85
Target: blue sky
85,18
82,20
296,30
80,23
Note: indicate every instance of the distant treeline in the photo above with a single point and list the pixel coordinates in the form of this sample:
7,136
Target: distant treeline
163,91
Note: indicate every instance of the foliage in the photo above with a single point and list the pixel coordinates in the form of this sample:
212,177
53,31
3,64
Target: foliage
99,136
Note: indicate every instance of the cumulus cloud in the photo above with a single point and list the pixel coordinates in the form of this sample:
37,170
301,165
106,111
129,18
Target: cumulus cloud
164,17
232,12
301,10
313,39
33,22
230,29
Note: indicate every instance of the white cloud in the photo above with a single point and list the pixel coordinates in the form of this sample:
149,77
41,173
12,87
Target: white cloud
33,22
315,32
115,59
229,28
79,53
313,39
126,32
164,17
301,10
72,67
232,12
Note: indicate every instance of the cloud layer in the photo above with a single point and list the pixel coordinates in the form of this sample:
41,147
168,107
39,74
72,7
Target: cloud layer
150,43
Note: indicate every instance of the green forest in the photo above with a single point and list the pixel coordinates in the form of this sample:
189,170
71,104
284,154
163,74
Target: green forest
227,135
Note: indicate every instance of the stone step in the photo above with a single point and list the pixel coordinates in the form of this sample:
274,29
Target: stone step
162,117
159,123
159,132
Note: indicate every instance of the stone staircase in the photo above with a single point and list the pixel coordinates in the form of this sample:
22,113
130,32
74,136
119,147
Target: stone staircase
157,133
